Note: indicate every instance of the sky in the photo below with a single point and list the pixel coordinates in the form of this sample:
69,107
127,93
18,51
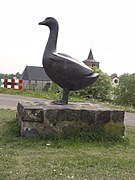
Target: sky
105,26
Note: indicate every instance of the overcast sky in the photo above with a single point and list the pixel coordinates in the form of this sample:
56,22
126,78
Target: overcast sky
106,26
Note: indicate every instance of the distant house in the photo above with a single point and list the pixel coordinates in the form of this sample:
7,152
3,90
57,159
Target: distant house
35,78
90,61
115,79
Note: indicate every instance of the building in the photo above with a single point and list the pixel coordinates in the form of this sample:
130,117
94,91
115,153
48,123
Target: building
115,79
35,78
90,61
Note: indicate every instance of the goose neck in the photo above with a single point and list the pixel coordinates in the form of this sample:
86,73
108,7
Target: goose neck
52,40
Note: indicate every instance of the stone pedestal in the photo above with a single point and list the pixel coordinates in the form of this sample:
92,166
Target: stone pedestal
46,119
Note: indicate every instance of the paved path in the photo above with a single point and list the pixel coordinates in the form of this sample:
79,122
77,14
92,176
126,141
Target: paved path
8,101
11,101
130,119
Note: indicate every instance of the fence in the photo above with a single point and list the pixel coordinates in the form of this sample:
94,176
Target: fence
12,83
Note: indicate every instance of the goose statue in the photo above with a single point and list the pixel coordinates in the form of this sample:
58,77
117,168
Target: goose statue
69,73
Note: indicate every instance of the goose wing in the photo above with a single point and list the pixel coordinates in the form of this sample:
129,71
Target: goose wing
69,58
69,66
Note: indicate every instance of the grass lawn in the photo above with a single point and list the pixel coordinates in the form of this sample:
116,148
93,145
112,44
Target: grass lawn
28,159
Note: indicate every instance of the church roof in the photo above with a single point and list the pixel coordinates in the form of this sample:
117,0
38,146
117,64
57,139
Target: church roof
90,57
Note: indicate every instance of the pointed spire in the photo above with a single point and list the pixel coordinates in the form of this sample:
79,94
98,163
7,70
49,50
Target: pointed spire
90,56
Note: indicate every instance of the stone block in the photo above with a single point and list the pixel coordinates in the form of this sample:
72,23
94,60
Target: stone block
46,119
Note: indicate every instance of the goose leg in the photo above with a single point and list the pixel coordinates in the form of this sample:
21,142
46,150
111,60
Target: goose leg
64,99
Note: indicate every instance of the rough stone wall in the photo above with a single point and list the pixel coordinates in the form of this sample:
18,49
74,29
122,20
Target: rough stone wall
46,119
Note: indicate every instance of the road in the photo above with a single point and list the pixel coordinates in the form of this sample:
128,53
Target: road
8,101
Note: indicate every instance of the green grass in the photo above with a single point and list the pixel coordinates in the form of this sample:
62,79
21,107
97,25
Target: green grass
28,159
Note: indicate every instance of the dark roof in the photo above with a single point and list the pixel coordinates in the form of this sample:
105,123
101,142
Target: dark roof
90,57
114,75
34,73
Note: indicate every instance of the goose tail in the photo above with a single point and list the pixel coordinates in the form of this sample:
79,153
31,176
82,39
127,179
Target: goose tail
93,75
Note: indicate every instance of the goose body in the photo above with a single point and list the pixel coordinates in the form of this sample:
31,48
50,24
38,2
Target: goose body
67,72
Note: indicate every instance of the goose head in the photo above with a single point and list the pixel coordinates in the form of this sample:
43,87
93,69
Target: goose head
50,22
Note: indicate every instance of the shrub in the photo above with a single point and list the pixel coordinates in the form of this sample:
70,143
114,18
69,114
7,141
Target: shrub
125,91
100,90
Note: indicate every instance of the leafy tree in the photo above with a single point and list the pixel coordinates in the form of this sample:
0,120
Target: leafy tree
1,76
55,88
17,75
100,90
125,91
9,76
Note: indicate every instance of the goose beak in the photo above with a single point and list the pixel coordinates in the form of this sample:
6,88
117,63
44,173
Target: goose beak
42,23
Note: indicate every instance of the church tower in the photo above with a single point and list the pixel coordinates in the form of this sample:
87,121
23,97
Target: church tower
90,61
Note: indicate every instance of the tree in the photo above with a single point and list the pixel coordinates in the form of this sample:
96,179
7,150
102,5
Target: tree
1,76
9,76
17,75
100,90
125,91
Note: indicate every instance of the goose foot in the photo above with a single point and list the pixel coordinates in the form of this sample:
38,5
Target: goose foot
59,102
64,99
